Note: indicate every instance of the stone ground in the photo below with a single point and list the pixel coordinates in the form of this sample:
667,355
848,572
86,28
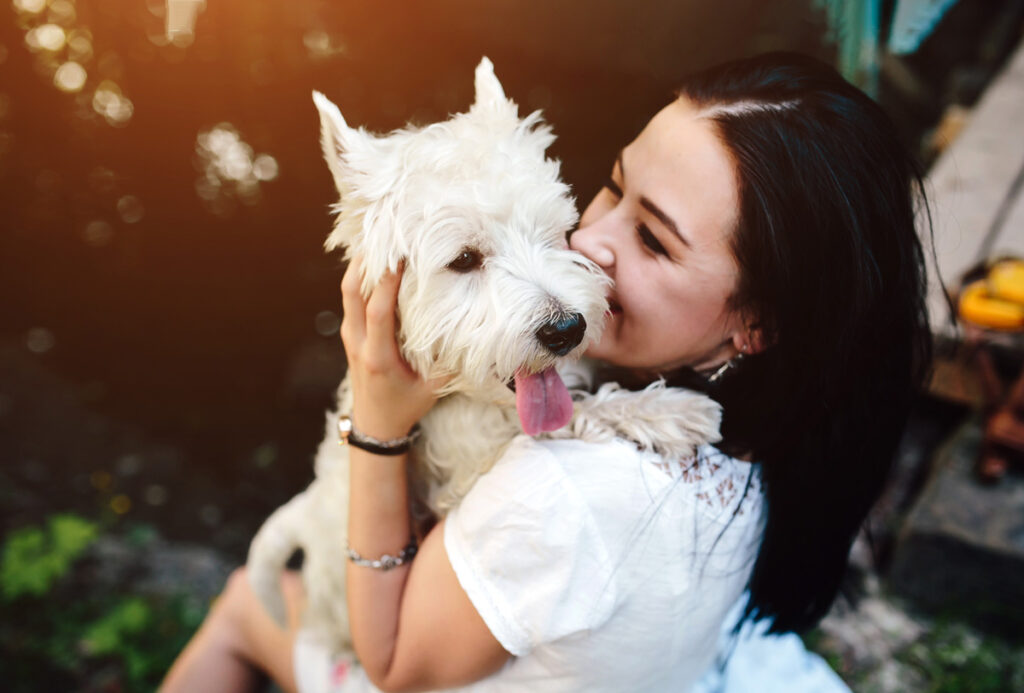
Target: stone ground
884,645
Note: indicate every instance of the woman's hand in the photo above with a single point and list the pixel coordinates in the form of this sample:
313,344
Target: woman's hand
389,397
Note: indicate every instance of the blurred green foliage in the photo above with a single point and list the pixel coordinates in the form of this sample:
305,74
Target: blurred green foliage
35,558
949,657
59,631
955,659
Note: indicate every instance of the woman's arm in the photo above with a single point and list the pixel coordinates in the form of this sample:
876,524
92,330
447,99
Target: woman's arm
413,627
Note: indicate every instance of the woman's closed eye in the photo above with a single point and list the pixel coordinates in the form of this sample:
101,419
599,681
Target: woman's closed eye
648,239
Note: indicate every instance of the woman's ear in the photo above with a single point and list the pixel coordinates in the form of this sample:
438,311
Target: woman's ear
750,340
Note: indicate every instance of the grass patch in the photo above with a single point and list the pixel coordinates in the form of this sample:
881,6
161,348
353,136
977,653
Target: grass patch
954,658
58,632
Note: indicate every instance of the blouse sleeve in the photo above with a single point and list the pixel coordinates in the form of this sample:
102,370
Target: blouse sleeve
527,551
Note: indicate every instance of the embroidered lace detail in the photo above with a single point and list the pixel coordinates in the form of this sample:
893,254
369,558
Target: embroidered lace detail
722,482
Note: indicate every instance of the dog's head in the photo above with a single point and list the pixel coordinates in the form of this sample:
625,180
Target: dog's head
490,294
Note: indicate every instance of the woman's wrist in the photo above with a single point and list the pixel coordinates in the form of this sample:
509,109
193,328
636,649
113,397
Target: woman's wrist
380,427
349,434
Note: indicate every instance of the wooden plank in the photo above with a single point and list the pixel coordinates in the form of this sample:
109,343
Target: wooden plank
1011,236
972,180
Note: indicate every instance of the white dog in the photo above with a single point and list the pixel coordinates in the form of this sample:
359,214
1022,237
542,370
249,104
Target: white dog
491,297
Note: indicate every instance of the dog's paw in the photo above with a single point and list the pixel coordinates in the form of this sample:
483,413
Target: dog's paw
671,421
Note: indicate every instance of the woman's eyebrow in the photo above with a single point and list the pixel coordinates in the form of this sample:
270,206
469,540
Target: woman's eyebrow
664,219
653,208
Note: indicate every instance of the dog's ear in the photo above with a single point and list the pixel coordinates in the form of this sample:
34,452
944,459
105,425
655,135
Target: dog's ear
341,144
336,138
489,93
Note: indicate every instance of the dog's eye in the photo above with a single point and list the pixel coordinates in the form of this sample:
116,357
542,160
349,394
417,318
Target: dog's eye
467,260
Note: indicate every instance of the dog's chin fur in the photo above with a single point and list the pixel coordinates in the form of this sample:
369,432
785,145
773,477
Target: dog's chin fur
480,183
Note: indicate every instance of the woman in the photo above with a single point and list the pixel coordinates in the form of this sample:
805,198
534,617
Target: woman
760,235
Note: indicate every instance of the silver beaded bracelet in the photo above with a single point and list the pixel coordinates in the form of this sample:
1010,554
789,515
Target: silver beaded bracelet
385,562
348,435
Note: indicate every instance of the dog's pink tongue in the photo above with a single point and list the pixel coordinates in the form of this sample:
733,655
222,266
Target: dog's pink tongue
543,401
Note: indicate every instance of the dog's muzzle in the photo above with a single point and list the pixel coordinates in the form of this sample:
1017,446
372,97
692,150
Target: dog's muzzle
563,335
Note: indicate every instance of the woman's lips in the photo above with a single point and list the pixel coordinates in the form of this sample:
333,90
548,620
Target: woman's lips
613,307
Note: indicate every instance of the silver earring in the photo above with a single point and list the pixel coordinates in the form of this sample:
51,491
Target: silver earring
731,363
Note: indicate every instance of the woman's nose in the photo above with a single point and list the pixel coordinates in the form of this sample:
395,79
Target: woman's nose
591,242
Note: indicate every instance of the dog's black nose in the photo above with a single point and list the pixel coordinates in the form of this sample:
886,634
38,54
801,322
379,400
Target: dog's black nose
560,336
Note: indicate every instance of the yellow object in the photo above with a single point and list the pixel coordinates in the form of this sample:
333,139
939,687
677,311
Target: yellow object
1006,280
980,307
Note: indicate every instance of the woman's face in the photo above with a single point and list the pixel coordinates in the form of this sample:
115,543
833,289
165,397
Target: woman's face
661,229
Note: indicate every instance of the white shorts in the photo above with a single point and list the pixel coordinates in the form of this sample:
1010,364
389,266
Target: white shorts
317,672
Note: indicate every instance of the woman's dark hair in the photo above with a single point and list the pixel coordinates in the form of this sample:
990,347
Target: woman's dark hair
832,272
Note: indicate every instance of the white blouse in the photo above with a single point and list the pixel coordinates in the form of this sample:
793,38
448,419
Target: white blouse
598,566
603,568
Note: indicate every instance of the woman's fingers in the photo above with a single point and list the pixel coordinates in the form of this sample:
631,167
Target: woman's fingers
353,320
388,396
381,348
368,326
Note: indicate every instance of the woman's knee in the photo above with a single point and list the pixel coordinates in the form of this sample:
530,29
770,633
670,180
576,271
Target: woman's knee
250,633
236,597
237,612
246,621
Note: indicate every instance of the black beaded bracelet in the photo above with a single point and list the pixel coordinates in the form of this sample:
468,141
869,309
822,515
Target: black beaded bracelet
348,435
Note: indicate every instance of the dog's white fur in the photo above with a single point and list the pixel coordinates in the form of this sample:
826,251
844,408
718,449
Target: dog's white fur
479,181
